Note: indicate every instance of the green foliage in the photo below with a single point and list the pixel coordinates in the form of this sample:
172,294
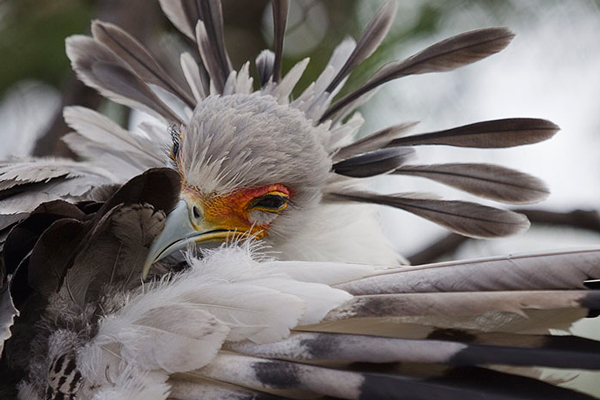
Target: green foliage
32,34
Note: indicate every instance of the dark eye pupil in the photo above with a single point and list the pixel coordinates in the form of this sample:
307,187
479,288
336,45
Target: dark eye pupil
271,201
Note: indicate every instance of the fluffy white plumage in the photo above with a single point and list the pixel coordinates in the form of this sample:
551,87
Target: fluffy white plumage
180,323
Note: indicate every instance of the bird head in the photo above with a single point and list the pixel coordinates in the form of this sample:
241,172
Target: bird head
260,162
250,168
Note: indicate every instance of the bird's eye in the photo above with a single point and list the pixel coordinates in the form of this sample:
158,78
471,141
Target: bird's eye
270,203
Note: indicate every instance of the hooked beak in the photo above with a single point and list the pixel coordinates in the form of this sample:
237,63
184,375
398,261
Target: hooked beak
182,228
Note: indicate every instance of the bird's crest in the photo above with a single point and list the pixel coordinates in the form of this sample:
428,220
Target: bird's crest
123,70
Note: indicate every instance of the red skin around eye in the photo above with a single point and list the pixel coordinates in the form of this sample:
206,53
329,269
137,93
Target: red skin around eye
231,211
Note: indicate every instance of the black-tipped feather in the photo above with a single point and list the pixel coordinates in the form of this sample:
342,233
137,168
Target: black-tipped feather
138,58
336,349
265,63
373,142
280,12
211,63
306,381
484,180
121,80
185,15
469,219
494,134
100,68
374,163
370,40
211,39
446,55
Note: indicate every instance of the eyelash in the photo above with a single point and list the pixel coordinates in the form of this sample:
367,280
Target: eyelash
176,137
256,203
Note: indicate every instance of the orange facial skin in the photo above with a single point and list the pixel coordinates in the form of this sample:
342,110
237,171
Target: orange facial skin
231,212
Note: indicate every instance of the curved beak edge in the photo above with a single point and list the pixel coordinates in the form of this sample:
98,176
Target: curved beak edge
176,235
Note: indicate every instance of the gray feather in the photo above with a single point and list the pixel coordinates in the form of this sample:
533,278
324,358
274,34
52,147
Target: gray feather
374,163
208,58
370,40
103,140
26,184
299,380
374,141
177,14
212,15
446,55
206,389
280,12
484,180
549,351
7,220
118,79
98,67
193,77
561,270
465,218
210,39
499,133
138,58
456,304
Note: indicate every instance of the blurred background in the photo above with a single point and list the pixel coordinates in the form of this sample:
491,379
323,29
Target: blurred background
551,70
